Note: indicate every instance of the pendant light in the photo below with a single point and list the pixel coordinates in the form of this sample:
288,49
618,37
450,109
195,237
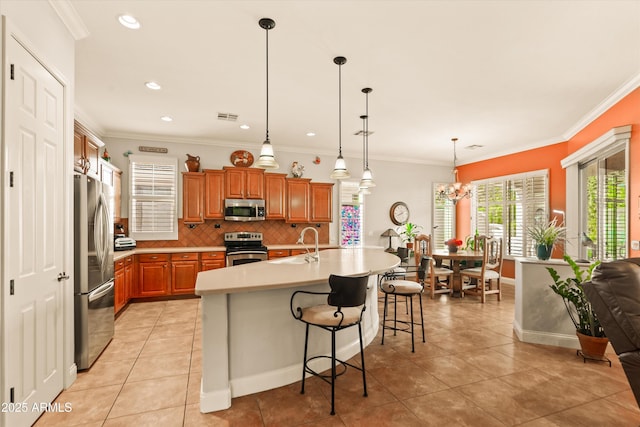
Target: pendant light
267,159
340,170
455,190
364,189
367,176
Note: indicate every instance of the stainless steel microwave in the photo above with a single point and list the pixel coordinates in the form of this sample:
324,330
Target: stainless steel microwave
243,210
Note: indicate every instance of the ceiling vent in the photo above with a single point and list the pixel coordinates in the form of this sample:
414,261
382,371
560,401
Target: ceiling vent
361,132
228,117
473,146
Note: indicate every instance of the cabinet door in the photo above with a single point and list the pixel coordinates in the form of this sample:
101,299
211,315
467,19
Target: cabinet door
118,284
193,197
212,260
321,202
211,265
153,276
92,155
78,151
297,200
117,195
274,189
214,194
183,277
128,279
234,183
254,184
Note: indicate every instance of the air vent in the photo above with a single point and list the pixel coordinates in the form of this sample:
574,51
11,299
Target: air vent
473,146
228,117
361,133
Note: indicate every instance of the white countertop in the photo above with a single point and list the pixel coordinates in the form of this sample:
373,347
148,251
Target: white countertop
294,271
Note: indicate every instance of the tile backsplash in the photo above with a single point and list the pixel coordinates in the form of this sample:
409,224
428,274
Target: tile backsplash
274,233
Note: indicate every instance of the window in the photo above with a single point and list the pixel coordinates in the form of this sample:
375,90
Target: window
506,206
153,198
444,219
350,214
603,222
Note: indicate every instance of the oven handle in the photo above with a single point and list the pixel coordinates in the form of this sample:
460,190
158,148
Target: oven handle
247,252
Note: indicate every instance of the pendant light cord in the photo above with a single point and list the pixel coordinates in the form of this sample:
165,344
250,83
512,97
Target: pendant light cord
366,130
267,66
339,110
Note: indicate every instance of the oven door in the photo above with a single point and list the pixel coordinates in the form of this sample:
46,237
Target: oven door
245,257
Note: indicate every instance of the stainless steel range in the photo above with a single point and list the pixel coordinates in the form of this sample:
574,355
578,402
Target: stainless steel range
244,247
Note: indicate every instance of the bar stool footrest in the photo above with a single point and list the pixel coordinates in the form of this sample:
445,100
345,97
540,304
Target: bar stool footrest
327,378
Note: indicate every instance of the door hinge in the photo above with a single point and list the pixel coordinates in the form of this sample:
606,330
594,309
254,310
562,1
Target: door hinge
12,77
12,392
11,179
11,287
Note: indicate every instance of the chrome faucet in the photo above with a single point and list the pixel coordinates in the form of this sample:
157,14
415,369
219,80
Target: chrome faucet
309,257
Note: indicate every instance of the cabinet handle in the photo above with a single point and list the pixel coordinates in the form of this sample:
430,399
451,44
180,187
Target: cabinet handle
185,256
154,257
88,165
165,266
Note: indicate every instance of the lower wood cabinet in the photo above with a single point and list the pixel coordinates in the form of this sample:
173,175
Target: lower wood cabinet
299,251
153,275
123,280
212,260
278,253
184,271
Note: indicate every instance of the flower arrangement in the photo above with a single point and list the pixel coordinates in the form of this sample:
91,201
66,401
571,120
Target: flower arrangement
453,244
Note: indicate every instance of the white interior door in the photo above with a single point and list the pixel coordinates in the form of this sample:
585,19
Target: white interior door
33,255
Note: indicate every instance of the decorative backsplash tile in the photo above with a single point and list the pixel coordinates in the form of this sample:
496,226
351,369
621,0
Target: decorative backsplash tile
274,233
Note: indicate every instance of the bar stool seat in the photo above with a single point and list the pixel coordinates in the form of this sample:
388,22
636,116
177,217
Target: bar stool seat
344,308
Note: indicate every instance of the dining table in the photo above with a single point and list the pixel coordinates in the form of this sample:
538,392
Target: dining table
455,260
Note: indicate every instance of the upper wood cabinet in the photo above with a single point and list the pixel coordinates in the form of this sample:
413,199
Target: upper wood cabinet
117,195
214,194
321,202
298,206
193,197
275,195
244,183
86,151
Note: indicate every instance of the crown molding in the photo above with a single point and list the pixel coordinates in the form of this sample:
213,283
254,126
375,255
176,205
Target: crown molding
70,18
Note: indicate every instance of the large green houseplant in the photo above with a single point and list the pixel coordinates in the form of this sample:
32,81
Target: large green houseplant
545,236
578,306
408,232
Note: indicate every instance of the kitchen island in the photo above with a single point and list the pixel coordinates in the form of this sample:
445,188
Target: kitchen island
250,340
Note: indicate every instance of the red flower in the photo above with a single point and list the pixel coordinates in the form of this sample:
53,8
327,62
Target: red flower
453,242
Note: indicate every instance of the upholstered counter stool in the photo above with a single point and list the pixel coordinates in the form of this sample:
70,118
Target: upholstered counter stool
407,288
344,308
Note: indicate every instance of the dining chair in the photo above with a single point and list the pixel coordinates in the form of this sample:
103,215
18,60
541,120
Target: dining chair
481,279
437,279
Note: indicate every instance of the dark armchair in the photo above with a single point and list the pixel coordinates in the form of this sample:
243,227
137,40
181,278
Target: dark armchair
614,293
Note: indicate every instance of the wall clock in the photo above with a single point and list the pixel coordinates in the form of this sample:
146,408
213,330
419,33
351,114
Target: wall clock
399,213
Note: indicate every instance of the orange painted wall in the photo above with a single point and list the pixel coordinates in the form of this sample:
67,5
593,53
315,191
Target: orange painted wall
625,112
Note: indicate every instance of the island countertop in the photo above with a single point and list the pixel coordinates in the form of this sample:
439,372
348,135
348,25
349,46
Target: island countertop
294,271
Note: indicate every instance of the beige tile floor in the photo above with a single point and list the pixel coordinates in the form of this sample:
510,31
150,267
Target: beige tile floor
471,372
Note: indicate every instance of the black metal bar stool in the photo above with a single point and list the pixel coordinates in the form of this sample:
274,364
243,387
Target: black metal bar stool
344,308
406,288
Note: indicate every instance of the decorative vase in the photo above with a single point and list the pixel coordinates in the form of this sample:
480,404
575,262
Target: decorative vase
193,163
452,248
544,252
592,346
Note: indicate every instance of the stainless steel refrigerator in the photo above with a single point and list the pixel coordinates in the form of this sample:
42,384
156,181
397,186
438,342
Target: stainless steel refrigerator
94,287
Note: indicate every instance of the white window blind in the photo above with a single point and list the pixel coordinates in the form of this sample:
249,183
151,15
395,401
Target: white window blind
153,198
506,206
443,219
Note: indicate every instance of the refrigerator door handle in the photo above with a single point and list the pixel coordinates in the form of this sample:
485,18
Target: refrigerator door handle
101,291
105,230
97,232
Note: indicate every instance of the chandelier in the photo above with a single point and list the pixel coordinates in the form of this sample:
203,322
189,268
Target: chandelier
456,190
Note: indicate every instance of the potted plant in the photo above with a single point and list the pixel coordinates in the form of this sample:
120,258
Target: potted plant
409,231
593,341
545,237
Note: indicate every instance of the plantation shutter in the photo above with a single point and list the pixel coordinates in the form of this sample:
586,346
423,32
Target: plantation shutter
443,219
153,198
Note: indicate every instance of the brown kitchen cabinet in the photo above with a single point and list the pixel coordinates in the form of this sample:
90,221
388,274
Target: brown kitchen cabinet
153,275
212,260
214,194
86,151
119,294
278,253
321,202
297,196
128,278
299,251
117,195
184,271
243,183
275,195
193,197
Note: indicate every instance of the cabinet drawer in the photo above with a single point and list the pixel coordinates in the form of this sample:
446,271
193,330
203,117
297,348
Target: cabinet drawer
277,253
212,255
128,260
298,251
185,256
153,257
119,264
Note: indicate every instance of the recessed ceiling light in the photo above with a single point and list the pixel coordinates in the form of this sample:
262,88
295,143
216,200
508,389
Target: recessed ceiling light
166,119
153,85
245,127
311,134
129,22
